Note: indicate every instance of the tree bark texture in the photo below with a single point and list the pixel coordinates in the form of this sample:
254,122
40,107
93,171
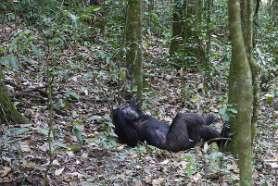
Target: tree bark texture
247,28
8,112
177,26
186,30
240,95
134,46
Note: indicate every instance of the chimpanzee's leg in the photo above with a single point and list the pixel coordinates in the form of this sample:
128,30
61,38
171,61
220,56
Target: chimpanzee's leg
209,133
178,137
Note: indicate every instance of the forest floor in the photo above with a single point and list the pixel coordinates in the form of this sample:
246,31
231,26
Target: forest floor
85,149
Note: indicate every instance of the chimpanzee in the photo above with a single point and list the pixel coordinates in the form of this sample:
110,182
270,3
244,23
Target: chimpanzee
187,129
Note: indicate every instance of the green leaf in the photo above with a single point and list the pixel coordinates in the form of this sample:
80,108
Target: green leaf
122,74
74,147
192,166
59,104
223,113
215,155
78,133
9,61
16,131
233,111
74,19
43,131
276,92
96,8
269,98
72,95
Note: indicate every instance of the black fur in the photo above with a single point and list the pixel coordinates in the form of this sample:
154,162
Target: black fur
187,129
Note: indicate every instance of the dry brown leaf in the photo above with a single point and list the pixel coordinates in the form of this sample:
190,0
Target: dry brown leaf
196,178
206,147
56,162
59,171
158,181
148,179
5,171
24,147
76,174
121,147
165,162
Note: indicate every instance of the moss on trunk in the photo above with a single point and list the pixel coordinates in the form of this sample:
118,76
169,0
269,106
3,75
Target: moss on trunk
134,46
8,112
247,28
240,96
187,31
177,26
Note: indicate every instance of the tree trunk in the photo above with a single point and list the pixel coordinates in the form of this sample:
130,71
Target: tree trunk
274,12
8,112
240,96
177,26
150,5
187,29
207,66
134,46
247,28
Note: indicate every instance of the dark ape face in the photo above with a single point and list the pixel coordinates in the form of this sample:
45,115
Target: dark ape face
129,113
125,119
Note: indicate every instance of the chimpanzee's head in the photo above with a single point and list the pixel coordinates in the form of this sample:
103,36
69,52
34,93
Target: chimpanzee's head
125,121
129,112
